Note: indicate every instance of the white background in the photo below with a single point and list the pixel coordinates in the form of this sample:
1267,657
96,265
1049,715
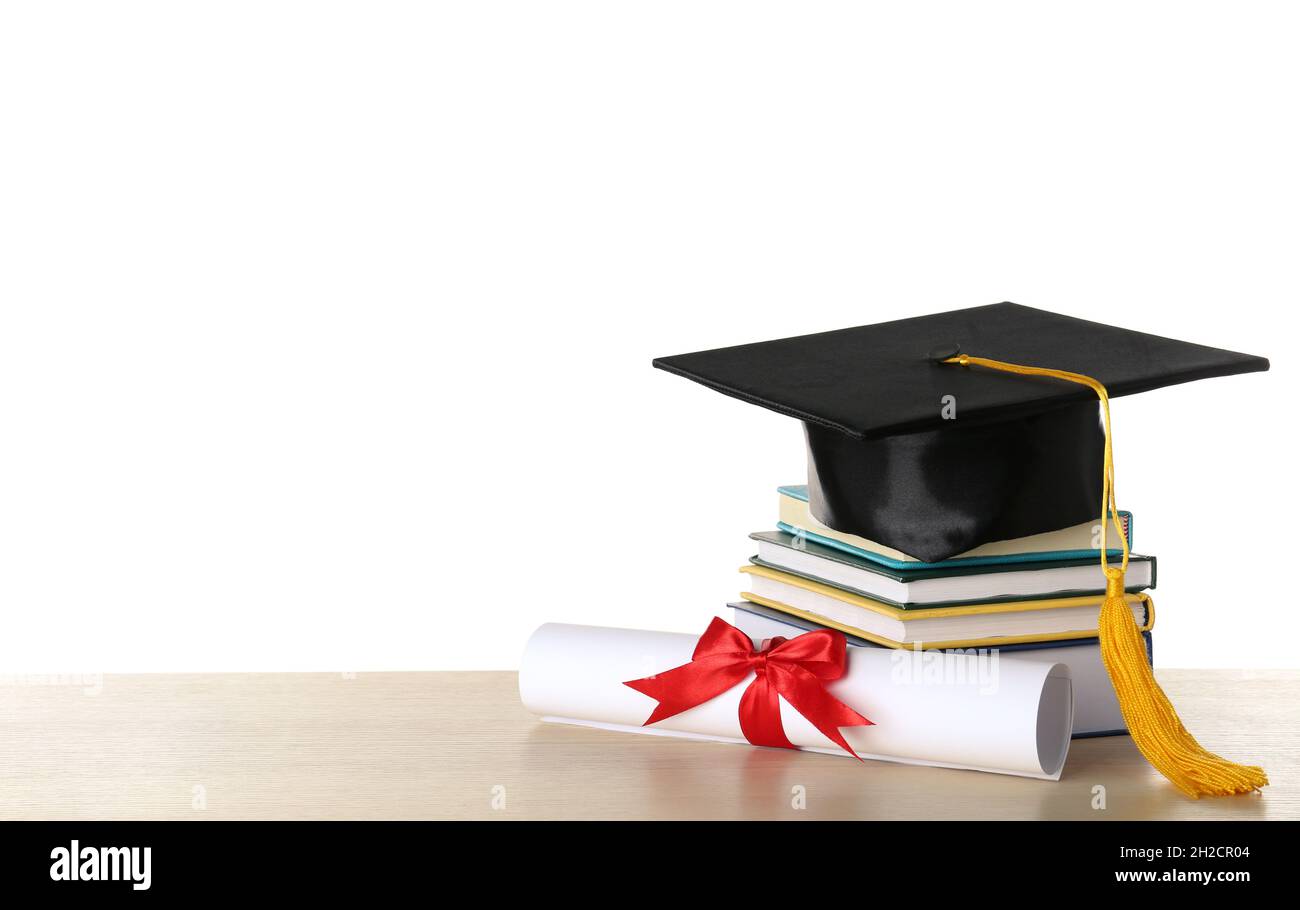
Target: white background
326,328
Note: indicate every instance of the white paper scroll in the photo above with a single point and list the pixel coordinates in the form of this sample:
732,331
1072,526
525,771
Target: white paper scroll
1009,716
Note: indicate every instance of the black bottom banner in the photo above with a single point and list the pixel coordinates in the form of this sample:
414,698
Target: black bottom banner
818,860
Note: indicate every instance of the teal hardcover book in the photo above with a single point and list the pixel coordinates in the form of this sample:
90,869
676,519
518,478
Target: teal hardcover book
952,584
1076,542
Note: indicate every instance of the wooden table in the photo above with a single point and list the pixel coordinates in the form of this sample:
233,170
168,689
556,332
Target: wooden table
460,746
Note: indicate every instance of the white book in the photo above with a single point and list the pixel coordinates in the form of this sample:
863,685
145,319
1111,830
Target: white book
955,584
972,625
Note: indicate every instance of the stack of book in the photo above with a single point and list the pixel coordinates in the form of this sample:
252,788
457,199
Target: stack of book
1030,598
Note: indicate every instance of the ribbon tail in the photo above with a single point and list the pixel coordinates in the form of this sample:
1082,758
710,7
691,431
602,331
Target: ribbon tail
689,685
807,695
760,714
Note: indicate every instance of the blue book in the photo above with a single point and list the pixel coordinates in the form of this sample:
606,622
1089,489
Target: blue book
1077,542
1096,712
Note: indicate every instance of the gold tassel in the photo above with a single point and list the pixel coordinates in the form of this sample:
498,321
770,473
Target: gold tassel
1152,721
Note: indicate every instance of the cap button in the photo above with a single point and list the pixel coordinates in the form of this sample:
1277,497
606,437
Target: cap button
940,353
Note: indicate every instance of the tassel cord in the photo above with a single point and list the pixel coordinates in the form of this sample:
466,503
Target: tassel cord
1152,721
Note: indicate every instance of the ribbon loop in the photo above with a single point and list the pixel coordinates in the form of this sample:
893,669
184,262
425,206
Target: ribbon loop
795,669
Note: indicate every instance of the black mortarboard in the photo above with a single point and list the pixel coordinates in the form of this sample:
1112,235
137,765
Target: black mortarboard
893,458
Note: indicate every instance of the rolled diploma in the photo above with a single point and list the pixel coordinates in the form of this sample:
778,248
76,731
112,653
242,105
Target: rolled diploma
575,674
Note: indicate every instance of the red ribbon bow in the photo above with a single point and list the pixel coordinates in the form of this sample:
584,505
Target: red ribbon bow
795,668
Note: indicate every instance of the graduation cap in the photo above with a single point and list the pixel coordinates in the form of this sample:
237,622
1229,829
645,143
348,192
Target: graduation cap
936,434
933,461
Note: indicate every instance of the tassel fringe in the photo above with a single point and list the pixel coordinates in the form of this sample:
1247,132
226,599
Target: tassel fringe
1152,721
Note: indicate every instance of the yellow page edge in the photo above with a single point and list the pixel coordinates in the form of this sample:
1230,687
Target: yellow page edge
884,609
940,645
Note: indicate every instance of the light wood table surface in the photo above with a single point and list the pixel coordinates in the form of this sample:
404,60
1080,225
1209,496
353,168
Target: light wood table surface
460,746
